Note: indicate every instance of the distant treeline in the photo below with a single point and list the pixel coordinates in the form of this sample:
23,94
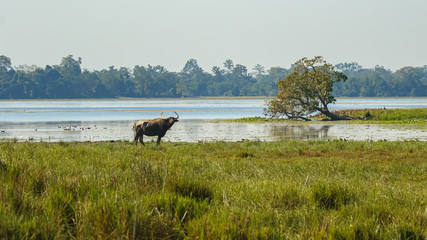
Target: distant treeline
68,80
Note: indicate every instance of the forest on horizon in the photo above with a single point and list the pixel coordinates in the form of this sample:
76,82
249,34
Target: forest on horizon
69,80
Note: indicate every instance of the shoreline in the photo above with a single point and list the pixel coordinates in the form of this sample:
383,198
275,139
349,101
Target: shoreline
191,98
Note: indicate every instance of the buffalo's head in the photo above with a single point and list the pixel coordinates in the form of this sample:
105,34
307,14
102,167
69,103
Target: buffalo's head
171,120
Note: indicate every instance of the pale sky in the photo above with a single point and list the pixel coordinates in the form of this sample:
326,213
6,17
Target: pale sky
125,33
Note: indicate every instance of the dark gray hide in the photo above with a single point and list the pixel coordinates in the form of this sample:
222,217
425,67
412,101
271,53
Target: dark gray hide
156,127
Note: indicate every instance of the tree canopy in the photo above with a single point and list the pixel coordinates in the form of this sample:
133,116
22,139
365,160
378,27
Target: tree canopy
69,80
306,89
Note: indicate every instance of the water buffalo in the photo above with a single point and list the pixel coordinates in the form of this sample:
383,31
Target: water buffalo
156,127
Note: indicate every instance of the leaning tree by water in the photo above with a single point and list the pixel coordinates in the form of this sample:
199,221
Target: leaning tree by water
305,90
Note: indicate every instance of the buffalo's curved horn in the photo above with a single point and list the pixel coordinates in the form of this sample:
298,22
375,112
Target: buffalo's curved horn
177,116
161,115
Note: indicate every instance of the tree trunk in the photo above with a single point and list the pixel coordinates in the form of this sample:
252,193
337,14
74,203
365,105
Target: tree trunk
335,117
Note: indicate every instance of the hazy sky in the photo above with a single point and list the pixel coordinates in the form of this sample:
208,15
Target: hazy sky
125,33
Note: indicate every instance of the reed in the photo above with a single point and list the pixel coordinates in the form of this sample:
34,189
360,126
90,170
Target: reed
219,190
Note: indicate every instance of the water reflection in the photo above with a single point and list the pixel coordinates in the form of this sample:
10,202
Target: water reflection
206,131
300,132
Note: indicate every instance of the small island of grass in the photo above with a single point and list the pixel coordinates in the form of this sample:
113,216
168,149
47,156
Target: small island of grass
416,116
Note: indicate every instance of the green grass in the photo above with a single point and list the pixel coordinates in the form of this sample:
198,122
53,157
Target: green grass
416,116
393,116
256,120
245,190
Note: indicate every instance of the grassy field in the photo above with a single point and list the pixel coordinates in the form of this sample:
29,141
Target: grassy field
241,190
416,116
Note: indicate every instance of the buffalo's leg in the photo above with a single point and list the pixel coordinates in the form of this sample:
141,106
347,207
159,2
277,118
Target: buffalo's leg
139,136
141,140
136,139
158,140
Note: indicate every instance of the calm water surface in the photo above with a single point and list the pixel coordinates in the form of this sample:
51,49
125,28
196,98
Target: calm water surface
103,120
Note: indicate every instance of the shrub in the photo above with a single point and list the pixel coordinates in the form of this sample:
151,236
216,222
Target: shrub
288,200
3,166
331,197
194,190
407,232
244,154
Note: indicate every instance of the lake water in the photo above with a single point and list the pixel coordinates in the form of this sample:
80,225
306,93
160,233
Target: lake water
106,120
